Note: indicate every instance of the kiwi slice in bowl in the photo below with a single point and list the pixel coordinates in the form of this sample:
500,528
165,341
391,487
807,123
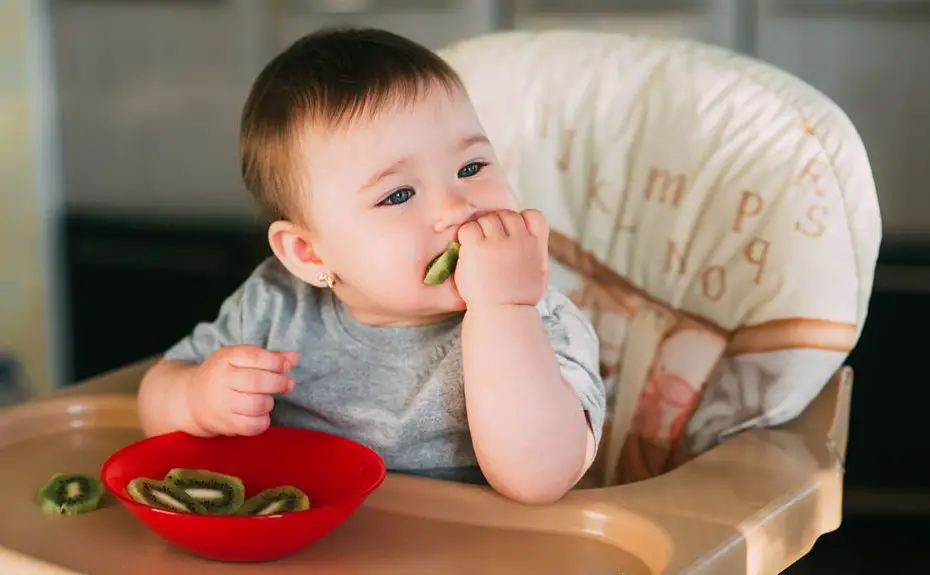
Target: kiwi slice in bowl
70,494
442,265
219,494
276,500
164,495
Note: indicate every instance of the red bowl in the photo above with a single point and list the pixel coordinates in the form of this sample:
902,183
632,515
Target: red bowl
336,474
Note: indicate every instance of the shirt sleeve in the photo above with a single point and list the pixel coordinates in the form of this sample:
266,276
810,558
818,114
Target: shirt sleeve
577,350
237,321
209,336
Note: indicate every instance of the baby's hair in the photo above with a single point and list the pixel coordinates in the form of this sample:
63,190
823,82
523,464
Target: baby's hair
327,80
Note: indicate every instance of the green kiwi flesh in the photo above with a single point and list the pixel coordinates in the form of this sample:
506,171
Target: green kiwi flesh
442,265
219,494
276,500
205,492
70,494
164,495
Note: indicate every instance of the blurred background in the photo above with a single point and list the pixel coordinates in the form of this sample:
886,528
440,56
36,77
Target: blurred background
123,220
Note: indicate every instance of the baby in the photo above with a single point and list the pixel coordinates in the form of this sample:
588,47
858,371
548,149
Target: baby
366,154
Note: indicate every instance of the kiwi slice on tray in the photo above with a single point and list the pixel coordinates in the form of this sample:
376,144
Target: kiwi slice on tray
70,494
275,500
442,265
164,495
218,493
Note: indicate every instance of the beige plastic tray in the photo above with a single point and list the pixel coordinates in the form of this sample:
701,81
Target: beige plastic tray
753,505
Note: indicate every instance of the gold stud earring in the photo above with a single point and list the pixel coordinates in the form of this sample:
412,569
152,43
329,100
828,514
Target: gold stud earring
328,279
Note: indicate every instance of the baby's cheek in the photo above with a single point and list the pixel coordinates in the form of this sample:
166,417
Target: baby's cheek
500,195
499,198
387,252
386,262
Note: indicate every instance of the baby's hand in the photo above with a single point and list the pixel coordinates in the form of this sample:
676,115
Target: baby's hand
231,392
503,260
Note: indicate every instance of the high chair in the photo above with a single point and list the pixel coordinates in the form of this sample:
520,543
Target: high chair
718,220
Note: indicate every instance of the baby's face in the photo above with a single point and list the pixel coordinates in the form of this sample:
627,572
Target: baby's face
388,195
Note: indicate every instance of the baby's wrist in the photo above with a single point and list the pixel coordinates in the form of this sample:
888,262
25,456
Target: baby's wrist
185,404
484,307
497,311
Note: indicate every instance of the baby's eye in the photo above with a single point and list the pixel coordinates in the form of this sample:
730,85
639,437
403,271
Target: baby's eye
397,197
472,169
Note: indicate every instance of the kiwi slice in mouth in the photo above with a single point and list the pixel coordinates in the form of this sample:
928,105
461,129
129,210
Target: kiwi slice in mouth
218,493
164,495
70,494
276,500
442,265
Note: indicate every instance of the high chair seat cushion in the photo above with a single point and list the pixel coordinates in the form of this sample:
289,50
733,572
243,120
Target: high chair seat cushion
716,217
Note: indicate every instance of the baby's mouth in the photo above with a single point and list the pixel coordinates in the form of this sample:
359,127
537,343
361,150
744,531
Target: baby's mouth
442,266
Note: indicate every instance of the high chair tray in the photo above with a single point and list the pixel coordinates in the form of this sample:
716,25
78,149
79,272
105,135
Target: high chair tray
753,505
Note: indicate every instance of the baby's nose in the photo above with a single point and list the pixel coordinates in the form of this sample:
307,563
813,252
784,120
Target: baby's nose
455,211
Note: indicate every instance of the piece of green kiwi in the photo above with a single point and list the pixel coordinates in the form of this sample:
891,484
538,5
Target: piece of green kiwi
275,500
70,494
218,493
164,495
442,265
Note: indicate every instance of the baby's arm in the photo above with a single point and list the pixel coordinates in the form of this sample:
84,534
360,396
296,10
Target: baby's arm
163,405
531,387
219,380
163,394
229,393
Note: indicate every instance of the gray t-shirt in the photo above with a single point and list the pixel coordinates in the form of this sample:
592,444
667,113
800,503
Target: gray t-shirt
397,390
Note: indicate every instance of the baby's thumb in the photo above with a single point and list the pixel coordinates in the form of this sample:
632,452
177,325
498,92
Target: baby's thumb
536,224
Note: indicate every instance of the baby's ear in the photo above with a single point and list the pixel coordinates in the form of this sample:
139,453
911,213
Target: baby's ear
293,247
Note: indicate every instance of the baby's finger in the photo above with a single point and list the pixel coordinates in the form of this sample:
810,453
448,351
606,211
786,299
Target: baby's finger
251,404
247,425
492,226
513,223
469,233
257,381
536,224
254,357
